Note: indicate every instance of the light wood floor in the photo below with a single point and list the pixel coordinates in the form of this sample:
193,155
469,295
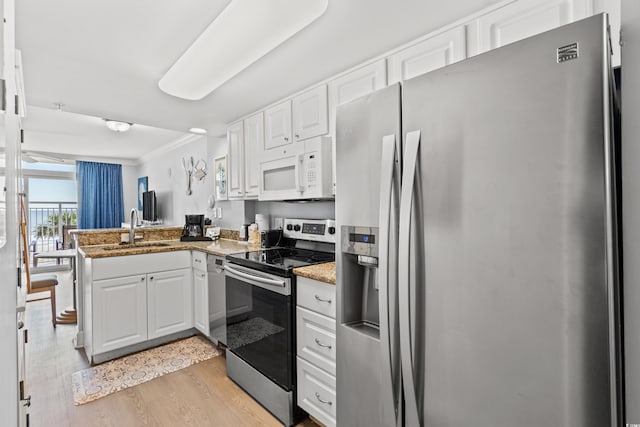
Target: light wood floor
200,395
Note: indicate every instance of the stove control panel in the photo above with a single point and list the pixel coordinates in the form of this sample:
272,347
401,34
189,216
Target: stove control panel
317,230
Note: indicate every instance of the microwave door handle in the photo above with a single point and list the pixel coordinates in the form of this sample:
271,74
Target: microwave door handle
299,171
412,148
389,191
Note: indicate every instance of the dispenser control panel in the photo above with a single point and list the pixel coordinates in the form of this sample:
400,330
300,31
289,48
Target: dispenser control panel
360,240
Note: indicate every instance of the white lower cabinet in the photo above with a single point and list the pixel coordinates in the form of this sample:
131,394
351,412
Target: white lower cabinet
316,349
169,302
139,305
316,392
201,298
119,312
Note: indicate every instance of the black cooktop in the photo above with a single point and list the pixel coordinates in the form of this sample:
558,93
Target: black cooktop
280,260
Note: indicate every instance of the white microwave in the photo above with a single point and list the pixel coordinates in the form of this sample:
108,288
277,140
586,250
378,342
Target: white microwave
301,171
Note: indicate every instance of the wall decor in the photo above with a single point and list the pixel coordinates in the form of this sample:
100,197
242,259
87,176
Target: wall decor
188,169
143,186
220,175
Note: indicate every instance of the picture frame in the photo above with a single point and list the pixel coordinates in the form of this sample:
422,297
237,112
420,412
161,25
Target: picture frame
220,177
143,186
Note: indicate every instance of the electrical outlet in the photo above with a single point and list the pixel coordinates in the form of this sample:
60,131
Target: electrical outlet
278,223
219,212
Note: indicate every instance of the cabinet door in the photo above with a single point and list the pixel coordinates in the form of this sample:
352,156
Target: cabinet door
354,85
253,144
523,19
170,302
310,114
277,125
235,135
349,87
119,312
428,55
200,301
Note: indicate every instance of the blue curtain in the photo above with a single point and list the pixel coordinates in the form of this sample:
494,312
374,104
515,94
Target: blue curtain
100,199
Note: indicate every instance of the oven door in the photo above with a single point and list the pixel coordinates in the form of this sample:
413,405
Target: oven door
260,324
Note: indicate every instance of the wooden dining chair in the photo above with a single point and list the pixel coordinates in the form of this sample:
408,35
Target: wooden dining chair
42,283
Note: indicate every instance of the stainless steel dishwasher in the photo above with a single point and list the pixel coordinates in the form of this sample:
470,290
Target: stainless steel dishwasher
217,299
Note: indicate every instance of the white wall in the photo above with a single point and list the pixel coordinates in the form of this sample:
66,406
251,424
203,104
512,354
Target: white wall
129,192
631,199
167,177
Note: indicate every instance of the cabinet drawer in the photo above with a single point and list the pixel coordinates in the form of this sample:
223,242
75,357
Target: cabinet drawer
316,296
199,260
316,339
317,392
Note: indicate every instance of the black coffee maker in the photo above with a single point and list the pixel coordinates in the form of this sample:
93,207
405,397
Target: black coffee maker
193,229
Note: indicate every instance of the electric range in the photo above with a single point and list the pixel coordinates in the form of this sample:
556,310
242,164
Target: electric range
260,313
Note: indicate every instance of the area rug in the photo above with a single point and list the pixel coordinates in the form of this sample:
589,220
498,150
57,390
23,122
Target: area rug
101,380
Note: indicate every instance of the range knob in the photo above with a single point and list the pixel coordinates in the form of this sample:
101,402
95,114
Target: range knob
332,230
296,227
289,227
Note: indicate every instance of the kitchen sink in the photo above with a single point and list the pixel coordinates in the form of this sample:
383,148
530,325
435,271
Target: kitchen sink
136,246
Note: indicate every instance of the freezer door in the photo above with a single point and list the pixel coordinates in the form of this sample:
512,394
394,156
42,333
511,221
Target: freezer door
509,230
368,144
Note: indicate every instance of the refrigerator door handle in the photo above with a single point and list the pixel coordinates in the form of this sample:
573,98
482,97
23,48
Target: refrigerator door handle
389,186
404,249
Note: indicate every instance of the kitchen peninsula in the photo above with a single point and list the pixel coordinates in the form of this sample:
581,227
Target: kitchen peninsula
132,297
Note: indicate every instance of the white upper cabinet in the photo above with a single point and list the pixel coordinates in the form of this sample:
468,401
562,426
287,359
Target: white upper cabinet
522,19
428,55
310,114
235,172
253,146
277,125
353,85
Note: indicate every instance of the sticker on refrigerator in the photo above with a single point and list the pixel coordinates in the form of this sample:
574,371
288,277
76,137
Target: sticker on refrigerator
568,52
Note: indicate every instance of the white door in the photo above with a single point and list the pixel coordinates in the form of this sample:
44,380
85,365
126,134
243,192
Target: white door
277,125
523,19
170,302
253,145
428,55
346,88
235,172
310,114
201,301
119,312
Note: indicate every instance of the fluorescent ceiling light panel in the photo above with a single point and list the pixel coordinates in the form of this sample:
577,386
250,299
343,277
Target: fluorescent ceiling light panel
245,31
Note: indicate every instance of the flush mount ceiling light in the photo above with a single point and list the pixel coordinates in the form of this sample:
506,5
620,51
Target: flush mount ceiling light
117,126
199,131
245,31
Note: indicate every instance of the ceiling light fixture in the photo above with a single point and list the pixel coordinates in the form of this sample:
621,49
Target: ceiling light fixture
117,126
245,31
199,131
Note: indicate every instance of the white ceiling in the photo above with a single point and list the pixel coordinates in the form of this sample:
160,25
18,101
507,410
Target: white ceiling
104,59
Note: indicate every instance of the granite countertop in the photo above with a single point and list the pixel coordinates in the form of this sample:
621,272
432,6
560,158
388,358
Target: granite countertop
322,272
219,247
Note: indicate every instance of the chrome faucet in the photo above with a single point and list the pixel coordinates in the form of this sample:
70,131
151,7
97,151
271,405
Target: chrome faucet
132,224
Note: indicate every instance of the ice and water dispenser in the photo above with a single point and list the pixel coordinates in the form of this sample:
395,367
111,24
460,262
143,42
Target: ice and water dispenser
359,251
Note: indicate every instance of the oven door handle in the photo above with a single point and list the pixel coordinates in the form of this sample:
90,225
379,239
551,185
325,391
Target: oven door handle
242,275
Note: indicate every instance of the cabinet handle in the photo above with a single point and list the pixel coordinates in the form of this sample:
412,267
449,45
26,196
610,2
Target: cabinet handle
297,135
326,402
323,345
151,278
202,275
142,279
197,260
323,300
20,324
286,139
27,401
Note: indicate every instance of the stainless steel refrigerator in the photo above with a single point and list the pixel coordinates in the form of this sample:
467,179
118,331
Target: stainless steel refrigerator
477,261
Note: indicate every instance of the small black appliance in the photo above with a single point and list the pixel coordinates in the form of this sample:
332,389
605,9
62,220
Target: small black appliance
193,229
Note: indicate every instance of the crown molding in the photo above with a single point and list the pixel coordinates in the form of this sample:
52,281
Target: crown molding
182,141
